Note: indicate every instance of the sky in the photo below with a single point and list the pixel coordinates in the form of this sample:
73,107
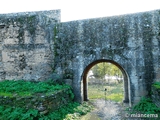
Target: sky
80,9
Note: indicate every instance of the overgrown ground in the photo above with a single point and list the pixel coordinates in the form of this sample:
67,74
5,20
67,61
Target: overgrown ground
72,110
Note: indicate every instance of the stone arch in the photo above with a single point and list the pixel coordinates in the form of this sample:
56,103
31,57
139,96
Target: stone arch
126,81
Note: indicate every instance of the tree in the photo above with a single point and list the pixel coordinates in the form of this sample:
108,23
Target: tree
103,69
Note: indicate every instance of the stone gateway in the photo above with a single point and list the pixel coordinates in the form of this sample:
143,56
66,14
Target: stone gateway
36,44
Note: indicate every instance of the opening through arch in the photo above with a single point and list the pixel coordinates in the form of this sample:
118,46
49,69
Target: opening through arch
126,98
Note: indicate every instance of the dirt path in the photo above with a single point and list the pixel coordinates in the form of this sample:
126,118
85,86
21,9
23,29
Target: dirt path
106,110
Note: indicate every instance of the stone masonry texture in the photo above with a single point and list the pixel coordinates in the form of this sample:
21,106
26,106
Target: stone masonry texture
35,44
26,43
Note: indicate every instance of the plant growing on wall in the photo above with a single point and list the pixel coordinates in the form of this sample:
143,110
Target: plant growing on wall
30,23
156,85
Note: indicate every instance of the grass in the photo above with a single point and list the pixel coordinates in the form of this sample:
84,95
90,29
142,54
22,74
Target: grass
27,88
114,92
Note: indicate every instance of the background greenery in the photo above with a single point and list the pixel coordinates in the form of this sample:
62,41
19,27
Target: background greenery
114,92
105,68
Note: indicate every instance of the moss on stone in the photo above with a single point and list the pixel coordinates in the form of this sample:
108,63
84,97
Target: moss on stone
31,21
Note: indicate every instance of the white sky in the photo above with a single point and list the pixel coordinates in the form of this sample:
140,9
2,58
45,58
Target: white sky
80,9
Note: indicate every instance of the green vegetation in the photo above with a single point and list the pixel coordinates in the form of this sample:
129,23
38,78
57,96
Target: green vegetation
98,83
105,68
114,92
68,112
156,85
27,88
55,40
146,106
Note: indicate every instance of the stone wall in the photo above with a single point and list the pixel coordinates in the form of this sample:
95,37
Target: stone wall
132,41
26,45
34,44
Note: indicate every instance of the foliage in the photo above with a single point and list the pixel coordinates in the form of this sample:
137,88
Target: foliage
70,93
146,106
68,112
102,69
71,111
156,85
11,113
25,88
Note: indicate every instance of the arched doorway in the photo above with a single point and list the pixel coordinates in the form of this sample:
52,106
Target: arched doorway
126,82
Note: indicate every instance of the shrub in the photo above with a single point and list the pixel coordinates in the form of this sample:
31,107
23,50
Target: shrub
146,106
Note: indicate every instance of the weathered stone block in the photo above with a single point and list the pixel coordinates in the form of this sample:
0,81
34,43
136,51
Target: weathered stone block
1,47
140,90
137,99
8,66
27,37
6,57
68,82
11,41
